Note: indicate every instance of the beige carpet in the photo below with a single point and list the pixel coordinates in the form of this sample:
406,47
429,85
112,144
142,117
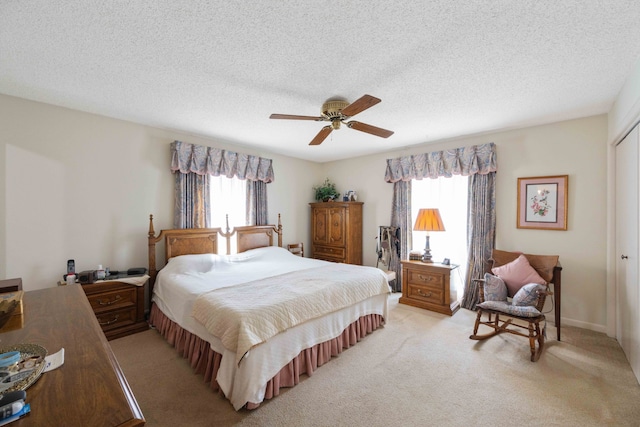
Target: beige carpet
421,369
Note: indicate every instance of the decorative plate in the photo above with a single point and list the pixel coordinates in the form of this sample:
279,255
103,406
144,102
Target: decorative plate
23,373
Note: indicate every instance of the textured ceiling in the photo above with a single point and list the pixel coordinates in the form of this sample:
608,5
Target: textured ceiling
442,68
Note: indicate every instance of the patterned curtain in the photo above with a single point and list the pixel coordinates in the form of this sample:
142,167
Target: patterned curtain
475,160
463,161
214,161
257,203
191,201
481,232
201,161
401,218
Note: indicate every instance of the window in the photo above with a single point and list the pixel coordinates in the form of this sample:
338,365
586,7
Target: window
450,196
228,196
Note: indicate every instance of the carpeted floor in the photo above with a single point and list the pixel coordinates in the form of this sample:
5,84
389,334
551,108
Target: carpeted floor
421,369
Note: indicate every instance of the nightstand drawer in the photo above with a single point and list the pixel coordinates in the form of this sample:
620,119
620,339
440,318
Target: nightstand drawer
425,293
425,278
328,252
112,299
117,318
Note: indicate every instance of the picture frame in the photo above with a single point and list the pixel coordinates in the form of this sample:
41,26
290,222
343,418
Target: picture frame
542,202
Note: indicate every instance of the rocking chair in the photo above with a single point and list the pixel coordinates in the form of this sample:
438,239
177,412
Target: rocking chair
512,295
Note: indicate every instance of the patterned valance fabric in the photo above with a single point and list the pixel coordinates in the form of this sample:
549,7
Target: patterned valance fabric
202,160
463,161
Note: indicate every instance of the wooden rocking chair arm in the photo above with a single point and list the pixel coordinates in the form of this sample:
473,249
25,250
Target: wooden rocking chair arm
542,297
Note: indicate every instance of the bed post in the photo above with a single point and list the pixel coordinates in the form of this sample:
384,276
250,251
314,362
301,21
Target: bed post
152,256
279,231
227,235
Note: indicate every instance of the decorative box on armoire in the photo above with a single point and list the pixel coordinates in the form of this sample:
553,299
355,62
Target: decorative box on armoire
336,231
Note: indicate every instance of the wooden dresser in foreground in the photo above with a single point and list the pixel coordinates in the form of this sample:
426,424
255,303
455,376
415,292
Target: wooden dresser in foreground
89,389
336,231
118,305
428,285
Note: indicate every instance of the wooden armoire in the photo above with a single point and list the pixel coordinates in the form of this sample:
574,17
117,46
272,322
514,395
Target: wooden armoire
336,231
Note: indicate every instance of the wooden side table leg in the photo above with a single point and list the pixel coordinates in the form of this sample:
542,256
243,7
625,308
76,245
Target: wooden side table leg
558,293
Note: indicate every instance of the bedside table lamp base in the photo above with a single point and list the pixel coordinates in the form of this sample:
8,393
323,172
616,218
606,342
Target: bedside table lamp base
426,257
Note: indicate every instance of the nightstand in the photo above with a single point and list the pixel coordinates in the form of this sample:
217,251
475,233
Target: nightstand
118,305
428,285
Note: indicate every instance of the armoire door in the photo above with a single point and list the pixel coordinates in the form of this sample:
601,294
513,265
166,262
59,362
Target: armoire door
627,216
320,223
338,225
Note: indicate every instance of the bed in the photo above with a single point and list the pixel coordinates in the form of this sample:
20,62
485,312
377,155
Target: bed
254,321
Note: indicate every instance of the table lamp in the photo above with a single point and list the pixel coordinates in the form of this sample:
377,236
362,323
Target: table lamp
428,220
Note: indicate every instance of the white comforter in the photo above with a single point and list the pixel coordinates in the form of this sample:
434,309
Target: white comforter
186,277
248,314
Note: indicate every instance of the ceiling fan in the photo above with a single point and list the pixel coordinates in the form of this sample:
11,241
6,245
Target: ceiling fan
336,111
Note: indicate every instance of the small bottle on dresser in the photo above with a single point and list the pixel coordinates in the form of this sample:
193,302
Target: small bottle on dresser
100,274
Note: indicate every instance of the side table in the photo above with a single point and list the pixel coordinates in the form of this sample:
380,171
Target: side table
428,285
118,305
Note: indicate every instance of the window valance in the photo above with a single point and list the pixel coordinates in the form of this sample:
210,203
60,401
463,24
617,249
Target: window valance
464,161
202,160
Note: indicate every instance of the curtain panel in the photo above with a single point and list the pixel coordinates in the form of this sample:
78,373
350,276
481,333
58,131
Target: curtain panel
191,204
481,232
202,160
463,161
401,218
257,212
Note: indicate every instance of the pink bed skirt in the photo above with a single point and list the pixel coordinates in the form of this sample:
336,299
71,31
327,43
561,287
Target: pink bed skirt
205,361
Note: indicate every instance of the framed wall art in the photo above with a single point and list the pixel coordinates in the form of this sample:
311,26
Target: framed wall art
542,202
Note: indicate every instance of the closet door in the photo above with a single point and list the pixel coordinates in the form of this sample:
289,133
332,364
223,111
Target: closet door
627,216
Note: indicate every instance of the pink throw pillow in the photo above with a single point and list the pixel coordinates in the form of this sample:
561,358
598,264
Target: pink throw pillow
518,273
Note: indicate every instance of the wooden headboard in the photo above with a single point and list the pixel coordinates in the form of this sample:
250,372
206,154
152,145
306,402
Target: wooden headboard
188,241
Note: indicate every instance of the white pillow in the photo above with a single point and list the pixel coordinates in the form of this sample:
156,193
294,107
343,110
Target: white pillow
198,263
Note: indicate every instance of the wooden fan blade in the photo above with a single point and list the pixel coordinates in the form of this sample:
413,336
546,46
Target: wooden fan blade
359,105
321,136
293,117
363,127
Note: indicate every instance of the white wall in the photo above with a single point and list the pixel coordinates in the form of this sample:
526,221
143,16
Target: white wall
576,148
81,186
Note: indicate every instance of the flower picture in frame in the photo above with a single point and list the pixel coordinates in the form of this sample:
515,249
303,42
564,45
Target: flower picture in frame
542,202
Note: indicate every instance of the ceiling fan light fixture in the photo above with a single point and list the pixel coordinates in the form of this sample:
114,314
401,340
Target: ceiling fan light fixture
335,124
332,108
